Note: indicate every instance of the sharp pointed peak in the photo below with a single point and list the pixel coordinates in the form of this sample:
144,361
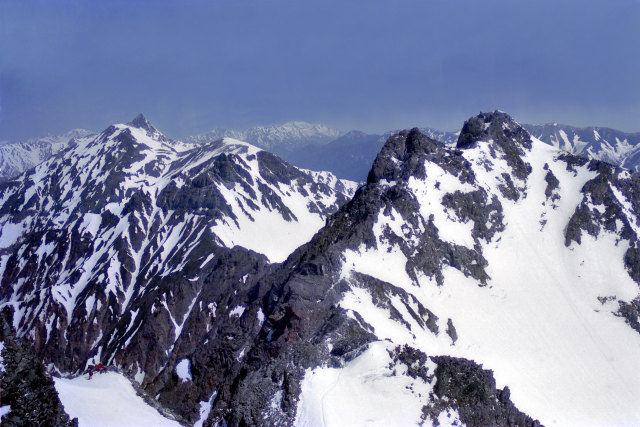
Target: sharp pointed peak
140,121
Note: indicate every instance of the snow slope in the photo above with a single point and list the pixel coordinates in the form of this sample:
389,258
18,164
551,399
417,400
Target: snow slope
107,400
363,392
495,282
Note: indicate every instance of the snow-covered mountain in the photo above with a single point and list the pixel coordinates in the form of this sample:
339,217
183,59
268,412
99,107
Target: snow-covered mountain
348,155
311,146
110,248
502,251
600,143
494,282
280,138
17,157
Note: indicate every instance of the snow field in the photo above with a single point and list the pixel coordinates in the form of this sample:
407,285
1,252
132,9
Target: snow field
267,231
205,409
107,400
363,392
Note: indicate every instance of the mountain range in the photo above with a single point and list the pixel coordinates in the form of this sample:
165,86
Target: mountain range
107,229
277,139
348,155
609,145
488,281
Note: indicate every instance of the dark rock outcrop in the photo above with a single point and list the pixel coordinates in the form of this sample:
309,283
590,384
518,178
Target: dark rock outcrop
470,390
26,386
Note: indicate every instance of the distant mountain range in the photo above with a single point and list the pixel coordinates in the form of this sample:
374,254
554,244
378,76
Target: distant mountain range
277,139
348,155
606,144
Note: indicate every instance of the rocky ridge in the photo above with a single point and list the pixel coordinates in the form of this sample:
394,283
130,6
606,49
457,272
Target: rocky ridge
27,388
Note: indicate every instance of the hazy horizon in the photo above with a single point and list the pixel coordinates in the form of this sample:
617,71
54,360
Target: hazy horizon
343,131
370,66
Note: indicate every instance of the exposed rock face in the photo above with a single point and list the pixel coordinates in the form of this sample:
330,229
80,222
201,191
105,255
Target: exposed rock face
333,281
26,385
465,387
630,311
505,135
306,326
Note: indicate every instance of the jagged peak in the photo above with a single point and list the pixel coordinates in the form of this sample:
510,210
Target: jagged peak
497,126
141,122
400,155
504,133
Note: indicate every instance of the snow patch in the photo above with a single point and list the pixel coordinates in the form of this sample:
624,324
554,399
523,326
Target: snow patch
10,234
237,311
207,259
183,370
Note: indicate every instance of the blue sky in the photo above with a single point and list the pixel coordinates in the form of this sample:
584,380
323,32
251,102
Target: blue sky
373,65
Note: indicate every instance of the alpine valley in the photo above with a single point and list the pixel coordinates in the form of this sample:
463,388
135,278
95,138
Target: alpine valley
490,281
